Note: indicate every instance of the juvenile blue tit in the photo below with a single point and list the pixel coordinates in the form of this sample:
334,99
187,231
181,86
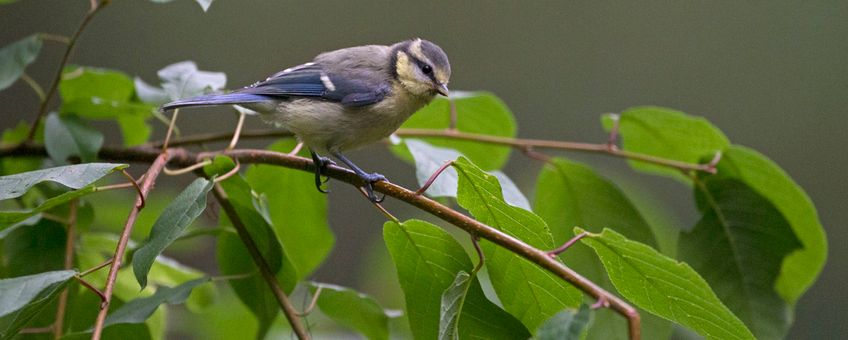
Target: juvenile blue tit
345,99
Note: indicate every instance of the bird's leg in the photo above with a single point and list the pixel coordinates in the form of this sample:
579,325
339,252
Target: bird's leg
321,164
369,179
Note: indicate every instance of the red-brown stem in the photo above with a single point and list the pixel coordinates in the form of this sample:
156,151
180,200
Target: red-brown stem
59,324
96,268
567,244
264,269
56,78
149,180
433,177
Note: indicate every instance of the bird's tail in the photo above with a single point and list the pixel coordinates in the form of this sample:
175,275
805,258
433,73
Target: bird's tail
217,99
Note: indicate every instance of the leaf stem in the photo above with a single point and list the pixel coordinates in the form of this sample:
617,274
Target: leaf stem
72,42
34,86
149,179
264,268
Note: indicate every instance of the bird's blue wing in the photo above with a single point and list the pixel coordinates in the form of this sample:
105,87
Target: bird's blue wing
312,81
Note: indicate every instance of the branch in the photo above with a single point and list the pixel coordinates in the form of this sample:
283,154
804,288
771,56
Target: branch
288,310
59,324
183,157
524,145
95,7
149,179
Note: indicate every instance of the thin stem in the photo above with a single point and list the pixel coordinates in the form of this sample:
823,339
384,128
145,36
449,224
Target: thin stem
34,86
171,126
481,258
146,186
137,187
379,207
264,268
567,244
58,38
86,284
59,324
236,133
96,268
433,177
51,91
312,302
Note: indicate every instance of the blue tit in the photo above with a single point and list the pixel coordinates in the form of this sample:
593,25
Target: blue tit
344,99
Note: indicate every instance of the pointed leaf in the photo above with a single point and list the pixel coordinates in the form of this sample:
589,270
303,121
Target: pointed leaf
477,112
70,136
183,210
138,310
184,80
353,309
572,194
452,300
665,287
524,288
15,57
738,246
668,134
22,298
8,218
801,268
297,211
566,325
427,260
72,176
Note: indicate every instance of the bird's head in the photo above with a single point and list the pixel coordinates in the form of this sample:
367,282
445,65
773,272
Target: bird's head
421,67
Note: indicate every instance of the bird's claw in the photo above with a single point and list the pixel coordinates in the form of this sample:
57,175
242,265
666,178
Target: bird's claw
321,164
370,179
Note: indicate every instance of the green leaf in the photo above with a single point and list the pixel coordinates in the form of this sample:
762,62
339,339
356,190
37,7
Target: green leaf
18,164
32,249
70,136
72,176
801,267
668,134
8,218
297,211
105,94
24,297
234,259
453,299
477,112
179,214
524,288
353,309
15,57
572,194
427,260
665,287
566,325
738,246
138,310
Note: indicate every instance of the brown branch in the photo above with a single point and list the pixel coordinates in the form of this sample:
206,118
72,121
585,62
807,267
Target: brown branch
527,146
59,324
149,179
264,269
246,156
95,7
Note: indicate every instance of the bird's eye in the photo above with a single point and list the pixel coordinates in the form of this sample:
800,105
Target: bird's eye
426,69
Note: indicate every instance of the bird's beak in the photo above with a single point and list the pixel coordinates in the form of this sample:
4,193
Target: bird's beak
442,89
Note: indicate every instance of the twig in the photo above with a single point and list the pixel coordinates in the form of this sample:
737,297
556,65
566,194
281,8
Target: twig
528,146
480,256
149,180
264,268
312,302
170,131
37,330
568,244
433,177
236,133
59,323
51,91
86,284
474,227
187,169
55,38
34,85
137,188
379,207
96,268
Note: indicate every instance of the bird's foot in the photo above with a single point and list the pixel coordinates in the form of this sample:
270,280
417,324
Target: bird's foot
321,164
370,179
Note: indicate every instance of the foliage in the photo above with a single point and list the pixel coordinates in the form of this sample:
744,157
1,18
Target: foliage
756,249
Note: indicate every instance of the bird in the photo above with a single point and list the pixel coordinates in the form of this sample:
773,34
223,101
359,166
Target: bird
344,99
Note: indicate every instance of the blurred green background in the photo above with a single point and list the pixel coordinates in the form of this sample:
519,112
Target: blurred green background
772,76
